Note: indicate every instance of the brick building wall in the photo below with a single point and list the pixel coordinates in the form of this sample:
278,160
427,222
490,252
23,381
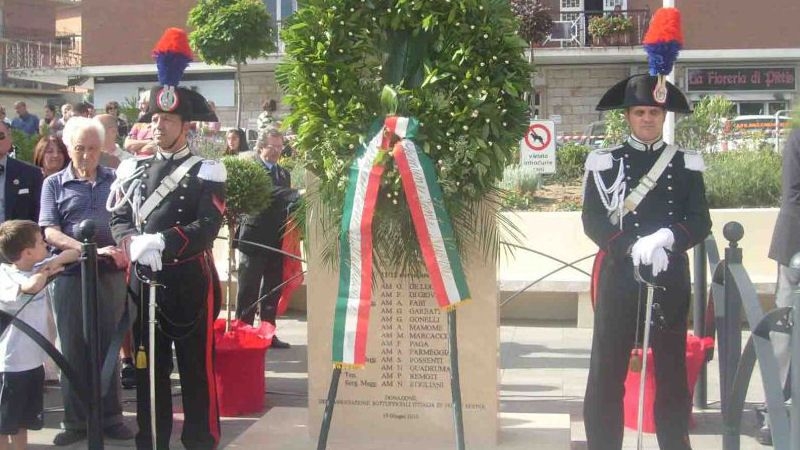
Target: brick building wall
123,32
572,93
740,24
29,20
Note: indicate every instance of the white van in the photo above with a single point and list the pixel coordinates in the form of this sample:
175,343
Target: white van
765,130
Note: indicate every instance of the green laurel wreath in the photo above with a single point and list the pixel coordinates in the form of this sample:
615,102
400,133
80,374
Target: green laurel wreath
458,66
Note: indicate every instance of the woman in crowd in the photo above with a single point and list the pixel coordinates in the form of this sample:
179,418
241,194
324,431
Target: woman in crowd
140,137
236,142
50,154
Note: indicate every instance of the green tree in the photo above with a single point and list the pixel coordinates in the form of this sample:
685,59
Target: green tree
616,128
231,31
700,130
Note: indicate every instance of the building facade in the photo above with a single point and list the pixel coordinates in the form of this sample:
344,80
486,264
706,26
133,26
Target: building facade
735,48
732,48
29,37
118,59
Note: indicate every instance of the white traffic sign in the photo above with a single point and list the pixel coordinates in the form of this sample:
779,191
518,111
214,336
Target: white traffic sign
537,149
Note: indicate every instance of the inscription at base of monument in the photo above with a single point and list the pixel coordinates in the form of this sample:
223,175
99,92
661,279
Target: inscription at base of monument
403,392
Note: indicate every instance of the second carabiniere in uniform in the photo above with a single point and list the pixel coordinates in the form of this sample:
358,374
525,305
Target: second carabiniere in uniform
644,205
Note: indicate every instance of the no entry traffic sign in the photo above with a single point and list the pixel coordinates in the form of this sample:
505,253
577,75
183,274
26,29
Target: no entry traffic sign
537,149
539,136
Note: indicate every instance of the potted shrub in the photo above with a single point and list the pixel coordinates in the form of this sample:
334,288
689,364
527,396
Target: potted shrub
610,30
621,28
600,28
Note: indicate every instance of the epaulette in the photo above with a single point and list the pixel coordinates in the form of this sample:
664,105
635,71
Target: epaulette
600,159
211,170
693,160
128,166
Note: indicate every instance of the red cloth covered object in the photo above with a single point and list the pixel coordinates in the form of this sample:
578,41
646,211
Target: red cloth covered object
239,368
292,267
695,356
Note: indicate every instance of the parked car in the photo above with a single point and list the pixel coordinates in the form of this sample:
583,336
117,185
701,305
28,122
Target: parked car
594,134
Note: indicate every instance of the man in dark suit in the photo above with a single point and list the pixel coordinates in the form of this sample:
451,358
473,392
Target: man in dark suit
260,269
785,244
22,183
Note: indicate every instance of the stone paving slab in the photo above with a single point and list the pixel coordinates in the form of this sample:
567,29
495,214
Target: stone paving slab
542,381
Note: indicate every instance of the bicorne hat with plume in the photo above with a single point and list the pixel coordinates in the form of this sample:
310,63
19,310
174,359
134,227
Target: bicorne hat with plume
662,42
173,55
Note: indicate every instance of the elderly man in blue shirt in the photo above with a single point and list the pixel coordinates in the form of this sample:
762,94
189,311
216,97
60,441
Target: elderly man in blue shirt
77,193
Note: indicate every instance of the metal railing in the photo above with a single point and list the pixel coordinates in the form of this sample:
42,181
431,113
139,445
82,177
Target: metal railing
732,293
571,29
28,55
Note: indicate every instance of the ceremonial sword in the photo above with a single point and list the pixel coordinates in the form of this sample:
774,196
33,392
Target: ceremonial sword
648,317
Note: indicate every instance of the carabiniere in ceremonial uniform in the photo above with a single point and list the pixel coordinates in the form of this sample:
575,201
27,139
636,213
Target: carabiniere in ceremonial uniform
171,218
638,192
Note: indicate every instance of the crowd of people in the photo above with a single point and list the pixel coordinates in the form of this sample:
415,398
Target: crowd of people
80,162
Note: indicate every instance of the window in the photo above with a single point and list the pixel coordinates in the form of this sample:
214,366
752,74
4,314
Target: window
750,108
280,9
774,107
608,5
758,107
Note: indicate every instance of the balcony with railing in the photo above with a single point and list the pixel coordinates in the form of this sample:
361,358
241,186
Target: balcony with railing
30,55
598,28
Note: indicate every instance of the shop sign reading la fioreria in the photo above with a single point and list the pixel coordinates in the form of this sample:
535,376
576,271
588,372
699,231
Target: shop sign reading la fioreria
741,79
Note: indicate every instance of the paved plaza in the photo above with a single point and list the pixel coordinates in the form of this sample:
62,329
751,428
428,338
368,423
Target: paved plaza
542,382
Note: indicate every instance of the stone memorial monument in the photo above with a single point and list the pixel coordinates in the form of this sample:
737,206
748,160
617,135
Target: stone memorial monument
406,115
403,392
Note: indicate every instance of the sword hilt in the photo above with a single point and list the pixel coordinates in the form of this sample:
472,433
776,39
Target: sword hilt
637,275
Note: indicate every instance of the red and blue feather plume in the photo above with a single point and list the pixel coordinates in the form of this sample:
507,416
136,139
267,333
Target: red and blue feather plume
172,55
663,40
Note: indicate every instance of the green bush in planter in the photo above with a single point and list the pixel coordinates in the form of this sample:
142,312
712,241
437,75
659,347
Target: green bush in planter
600,26
520,179
520,185
569,162
743,179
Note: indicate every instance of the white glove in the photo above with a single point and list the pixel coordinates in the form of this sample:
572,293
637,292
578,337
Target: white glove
151,258
660,261
643,248
140,244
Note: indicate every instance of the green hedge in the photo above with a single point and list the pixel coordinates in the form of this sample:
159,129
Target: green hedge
570,160
519,185
743,179
749,177
24,145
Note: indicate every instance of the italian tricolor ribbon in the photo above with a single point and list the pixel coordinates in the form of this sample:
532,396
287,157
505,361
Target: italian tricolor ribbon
431,223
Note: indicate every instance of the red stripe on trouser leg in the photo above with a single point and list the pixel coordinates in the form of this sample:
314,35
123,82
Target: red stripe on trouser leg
213,406
598,264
